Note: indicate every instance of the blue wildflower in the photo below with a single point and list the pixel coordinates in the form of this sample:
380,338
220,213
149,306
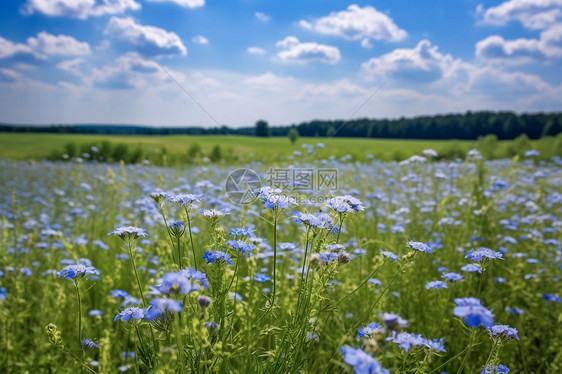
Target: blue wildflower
471,268
196,275
436,285
514,310
375,282
452,277
500,369
419,246
160,306
212,256
128,233
176,282
483,253
318,220
77,270
273,198
327,256
503,330
393,321
186,201
551,297
88,344
362,363
345,204
128,313
473,313
405,340
95,312
370,329
390,255
3,293
244,231
119,293
436,345
262,278
241,245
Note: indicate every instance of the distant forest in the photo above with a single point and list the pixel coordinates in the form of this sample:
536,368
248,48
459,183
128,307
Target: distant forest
471,125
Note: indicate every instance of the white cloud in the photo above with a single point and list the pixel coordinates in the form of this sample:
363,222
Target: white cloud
295,51
533,14
58,45
520,51
200,39
149,40
184,3
357,23
262,16
256,50
80,9
10,49
73,66
423,64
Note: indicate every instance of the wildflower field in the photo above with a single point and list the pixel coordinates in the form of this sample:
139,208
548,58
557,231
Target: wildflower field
412,267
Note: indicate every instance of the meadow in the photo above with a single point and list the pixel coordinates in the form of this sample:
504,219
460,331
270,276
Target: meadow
181,150
418,266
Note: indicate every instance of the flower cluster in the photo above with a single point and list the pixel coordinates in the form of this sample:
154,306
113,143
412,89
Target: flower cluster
78,271
128,233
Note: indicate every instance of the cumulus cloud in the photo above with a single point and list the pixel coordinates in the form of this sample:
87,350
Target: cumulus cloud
9,49
184,3
295,51
256,51
58,45
262,16
422,64
520,51
532,14
73,66
357,23
200,39
80,9
149,40
129,71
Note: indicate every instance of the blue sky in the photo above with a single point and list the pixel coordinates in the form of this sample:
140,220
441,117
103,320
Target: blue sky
120,61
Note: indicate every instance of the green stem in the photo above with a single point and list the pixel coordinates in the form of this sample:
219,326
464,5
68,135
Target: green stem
79,314
342,217
179,251
144,304
191,240
274,255
469,349
180,345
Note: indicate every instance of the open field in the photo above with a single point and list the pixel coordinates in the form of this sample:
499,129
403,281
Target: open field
444,267
38,146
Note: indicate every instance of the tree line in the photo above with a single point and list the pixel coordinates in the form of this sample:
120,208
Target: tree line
470,125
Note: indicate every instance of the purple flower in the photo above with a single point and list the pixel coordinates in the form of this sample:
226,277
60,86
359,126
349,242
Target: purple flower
473,313
362,363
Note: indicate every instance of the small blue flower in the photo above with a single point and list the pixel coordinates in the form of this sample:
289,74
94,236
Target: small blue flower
370,329
95,312
318,220
345,204
128,313
514,310
551,297
119,293
393,321
128,233
390,255
405,340
160,306
241,245
436,285
262,278
362,363
473,313
472,268
452,277
503,330
483,253
327,256
196,275
212,256
77,270
88,344
176,282
436,345
500,369
419,246
375,282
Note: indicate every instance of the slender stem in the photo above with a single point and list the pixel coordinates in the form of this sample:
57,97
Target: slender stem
180,345
342,217
469,349
494,345
79,314
144,304
191,240
274,254
179,251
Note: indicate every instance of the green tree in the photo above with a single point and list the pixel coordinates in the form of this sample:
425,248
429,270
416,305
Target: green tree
262,128
293,135
216,153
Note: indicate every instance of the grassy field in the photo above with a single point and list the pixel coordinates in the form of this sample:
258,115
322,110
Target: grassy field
38,146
